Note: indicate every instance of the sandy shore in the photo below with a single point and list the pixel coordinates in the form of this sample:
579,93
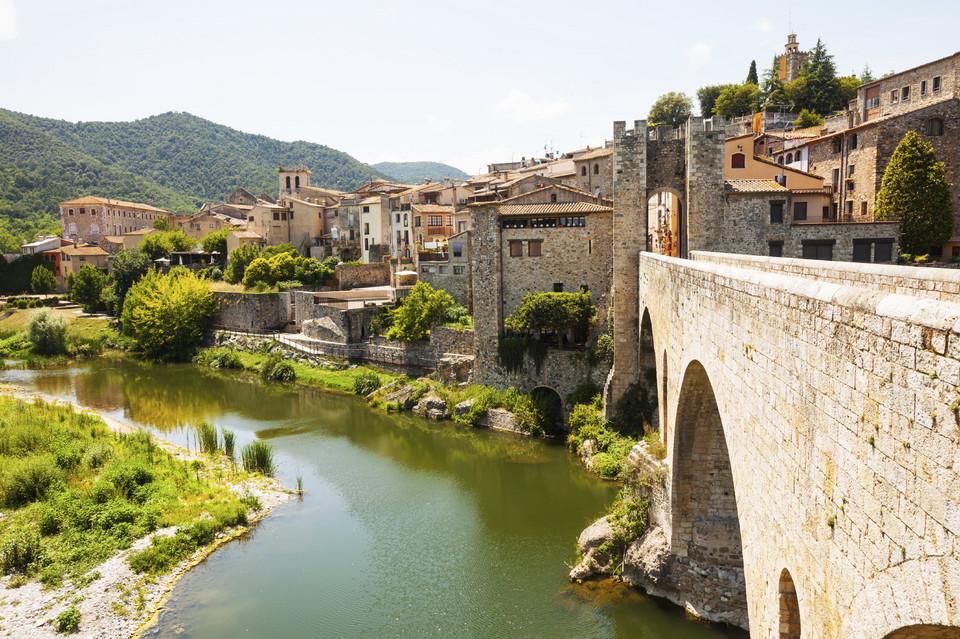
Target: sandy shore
118,603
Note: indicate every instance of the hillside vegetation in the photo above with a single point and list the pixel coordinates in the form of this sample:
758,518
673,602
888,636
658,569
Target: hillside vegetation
175,160
416,172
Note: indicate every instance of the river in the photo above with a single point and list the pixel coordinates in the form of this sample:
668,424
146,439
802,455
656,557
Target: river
409,528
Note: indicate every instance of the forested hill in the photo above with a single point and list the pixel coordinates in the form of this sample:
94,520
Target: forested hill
416,172
174,160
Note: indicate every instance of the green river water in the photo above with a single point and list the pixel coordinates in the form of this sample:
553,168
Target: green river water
409,528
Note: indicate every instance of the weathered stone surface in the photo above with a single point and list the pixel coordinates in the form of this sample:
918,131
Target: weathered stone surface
593,562
501,419
433,407
461,409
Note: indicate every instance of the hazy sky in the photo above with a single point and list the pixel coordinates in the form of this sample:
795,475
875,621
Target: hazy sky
456,82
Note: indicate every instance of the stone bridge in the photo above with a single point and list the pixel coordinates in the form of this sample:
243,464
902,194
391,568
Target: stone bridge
810,413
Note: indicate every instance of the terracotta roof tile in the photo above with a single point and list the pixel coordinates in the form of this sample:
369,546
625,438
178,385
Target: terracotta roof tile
753,186
102,201
83,250
556,208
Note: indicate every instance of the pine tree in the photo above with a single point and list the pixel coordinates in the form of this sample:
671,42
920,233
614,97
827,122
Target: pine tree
771,91
822,91
752,77
915,191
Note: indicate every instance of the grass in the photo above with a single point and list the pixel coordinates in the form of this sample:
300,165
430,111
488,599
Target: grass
257,456
74,493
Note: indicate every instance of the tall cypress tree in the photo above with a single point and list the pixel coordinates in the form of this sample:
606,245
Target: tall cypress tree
752,77
914,190
822,89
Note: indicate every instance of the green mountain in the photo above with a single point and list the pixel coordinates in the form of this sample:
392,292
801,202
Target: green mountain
416,172
175,160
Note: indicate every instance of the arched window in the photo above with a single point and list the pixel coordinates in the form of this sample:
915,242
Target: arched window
288,181
596,169
738,161
934,126
780,160
789,158
296,181
583,170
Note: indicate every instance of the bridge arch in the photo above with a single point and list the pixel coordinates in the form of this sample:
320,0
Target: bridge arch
925,631
704,520
549,401
665,205
789,607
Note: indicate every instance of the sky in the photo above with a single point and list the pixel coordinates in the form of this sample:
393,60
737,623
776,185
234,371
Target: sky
466,83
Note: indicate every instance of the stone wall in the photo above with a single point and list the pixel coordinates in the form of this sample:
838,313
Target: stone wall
837,407
457,286
363,275
246,311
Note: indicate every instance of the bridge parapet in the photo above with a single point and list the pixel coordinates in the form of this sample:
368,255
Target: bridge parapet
837,389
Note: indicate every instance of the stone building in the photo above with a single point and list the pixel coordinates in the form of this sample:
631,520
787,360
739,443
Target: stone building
791,61
593,172
450,270
90,218
291,179
203,223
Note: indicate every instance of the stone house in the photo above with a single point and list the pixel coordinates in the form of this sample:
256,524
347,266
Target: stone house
90,218
374,224
239,238
593,172
292,220
450,270
203,223
74,258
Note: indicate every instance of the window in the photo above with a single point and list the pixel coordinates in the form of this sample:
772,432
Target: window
457,249
853,141
83,211
93,211
366,209
851,169
516,248
283,215
596,169
553,197
836,179
291,217
837,144
288,181
789,158
558,287
449,220
398,218
434,220
873,250
583,170
276,215
799,211
863,208
406,219
849,207
366,228
535,248
936,83
416,221
443,270
461,227
818,249
366,243
894,96
776,212
70,212
73,229
905,93
738,161
775,248
934,126
923,87
459,270
250,219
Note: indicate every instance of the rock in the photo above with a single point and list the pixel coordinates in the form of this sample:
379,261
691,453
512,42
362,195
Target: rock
463,408
587,451
401,395
501,419
594,562
647,558
433,407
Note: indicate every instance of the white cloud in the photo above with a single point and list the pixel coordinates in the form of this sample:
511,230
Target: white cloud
439,124
523,108
761,25
8,20
698,54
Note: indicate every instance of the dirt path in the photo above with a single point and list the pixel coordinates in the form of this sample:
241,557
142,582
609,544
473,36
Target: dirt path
114,601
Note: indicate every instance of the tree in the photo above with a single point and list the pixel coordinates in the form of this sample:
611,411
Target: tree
418,312
707,97
42,281
752,74
866,75
216,242
167,314
240,259
915,191
771,90
154,246
807,118
179,241
822,88
128,267
558,313
87,286
47,332
848,89
162,224
671,108
737,100
259,274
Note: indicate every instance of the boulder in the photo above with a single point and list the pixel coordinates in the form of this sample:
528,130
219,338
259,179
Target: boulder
501,419
463,408
647,559
433,407
594,562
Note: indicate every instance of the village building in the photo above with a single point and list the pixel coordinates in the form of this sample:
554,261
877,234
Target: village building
201,224
239,238
790,63
90,219
43,243
69,259
375,228
450,270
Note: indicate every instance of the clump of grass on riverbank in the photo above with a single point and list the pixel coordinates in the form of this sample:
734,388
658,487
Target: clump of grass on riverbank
587,423
74,493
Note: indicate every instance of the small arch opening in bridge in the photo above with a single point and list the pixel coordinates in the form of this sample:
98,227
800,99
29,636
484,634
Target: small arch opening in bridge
664,216
925,631
789,608
549,404
706,527
647,395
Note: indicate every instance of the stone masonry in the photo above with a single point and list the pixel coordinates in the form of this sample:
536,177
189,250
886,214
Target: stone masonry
817,406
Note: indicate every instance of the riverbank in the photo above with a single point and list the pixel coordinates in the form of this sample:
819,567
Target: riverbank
112,599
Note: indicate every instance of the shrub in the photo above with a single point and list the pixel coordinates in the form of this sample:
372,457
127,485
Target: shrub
47,332
229,440
607,466
207,438
163,554
128,475
67,621
418,312
604,352
219,358
289,285
366,382
43,281
20,552
257,456
29,480
277,369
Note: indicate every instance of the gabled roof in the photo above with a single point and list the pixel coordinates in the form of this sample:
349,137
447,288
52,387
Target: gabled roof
147,231
764,160
753,186
559,187
102,201
596,153
555,208
432,208
83,250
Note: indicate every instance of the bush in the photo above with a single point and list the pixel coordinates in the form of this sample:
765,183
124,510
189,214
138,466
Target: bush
365,383
207,438
29,480
604,352
163,554
86,287
47,332
418,312
219,358
20,552
607,465
43,281
128,475
67,621
277,369
257,456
